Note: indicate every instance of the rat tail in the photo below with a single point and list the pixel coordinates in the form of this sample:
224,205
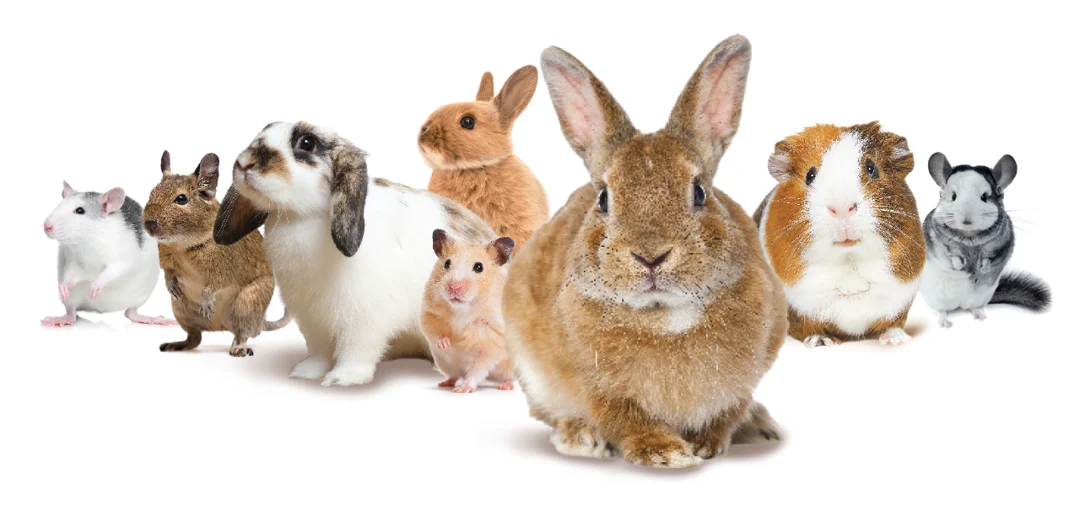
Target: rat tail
1022,289
285,320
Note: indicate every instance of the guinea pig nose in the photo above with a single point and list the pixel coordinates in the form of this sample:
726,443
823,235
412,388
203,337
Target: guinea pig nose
844,210
151,226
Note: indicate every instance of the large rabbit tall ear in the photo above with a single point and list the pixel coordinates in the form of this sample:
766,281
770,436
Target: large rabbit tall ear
487,88
1005,171
207,175
236,218
592,121
708,111
166,164
940,169
515,94
348,192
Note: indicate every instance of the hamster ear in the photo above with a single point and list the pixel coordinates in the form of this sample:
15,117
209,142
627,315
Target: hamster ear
487,88
236,218
501,249
441,242
166,164
940,169
112,200
206,175
780,162
515,94
708,111
68,190
592,121
1005,171
348,192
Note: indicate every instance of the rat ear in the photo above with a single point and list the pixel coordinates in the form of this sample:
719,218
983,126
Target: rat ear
487,88
206,175
1005,171
166,164
501,249
236,218
68,190
940,169
441,242
112,200
348,193
780,162
515,94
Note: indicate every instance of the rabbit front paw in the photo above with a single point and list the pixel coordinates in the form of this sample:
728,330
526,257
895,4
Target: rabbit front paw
659,450
573,437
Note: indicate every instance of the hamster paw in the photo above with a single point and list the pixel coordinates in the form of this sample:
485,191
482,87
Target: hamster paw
356,375
979,313
572,437
65,290
448,383
443,343
819,340
894,336
508,385
310,368
659,450
239,350
465,388
59,321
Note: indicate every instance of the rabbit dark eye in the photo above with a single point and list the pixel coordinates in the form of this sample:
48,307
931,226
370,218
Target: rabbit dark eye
181,199
699,195
478,267
954,196
985,197
446,264
602,201
871,169
307,143
811,175
79,210
468,122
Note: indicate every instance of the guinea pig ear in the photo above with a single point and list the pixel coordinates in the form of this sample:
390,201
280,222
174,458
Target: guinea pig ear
348,192
68,190
441,242
487,88
1005,171
501,249
707,112
236,218
206,175
940,169
515,94
166,164
780,162
112,200
592,121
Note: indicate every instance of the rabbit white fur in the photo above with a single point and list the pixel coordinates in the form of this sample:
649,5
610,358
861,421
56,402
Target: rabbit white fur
354,305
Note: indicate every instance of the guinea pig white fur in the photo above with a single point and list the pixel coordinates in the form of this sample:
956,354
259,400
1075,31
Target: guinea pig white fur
356,304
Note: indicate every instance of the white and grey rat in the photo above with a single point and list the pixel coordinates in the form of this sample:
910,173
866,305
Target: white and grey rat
969,239
107,262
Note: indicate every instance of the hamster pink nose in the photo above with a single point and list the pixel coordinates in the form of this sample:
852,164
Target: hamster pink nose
456,287
843,211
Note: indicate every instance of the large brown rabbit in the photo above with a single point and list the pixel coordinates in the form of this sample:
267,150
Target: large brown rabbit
641,318
468,147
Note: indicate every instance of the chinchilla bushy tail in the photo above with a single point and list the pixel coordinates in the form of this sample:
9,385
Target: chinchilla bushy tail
285,319
1022,289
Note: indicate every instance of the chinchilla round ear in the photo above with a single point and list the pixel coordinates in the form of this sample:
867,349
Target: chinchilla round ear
166,164
348,193
236,218
1005,171
207,175
487,88
940,169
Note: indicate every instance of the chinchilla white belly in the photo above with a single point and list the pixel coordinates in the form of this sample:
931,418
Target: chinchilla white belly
947,289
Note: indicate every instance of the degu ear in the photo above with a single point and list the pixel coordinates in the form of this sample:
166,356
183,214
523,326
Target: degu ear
441,242
940,169
112,200
166,164
592,121
206,175
487,88
1005,171
501,249
348,193
236,218
515,94
708,111
68,190
780,162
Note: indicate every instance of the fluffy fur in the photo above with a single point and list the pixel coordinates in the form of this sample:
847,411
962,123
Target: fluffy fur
213,287
106,261
842,232
351,254
476,166
462,313
641,318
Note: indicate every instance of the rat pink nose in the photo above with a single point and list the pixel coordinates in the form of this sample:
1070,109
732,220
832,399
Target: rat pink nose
48,227
843,211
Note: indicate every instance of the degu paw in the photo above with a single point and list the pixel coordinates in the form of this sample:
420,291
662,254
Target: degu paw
894,336
206,309
819,340
310,368
344,377
240,350
574,438
659,450
173,286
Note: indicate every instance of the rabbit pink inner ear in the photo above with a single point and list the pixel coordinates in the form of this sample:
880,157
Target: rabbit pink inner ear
516,94
68,190
441,242
487,88
112,200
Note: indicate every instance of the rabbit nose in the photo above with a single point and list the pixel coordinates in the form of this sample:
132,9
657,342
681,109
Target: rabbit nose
651,264
151,226
843,211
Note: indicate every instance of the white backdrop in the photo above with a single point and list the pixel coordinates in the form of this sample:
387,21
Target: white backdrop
93,94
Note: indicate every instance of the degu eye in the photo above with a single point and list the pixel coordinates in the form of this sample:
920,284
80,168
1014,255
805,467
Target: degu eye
699,195
478,267
468,122
985,197
602,201
307,143
181,199
79,210
954,196
871,169
811,175
446,264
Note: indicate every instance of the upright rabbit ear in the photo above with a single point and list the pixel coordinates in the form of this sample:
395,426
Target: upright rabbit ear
236,218
166,164
348,192
592,121
487,88
501,249
112,200
708,110
940,169
1005,171
515,94
68,190
207,175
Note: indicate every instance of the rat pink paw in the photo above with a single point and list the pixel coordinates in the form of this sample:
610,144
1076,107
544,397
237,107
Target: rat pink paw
443,343
509,385
58,321
95,290
134,316
448,382
65,290
465,389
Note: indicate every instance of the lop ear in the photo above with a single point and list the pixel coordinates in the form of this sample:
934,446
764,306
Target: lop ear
592,121
501,249
940,169
166,164
68,190
1005,171
207,175
236,218
515,94
487,88
112,200
441,242
780,162
348,192
708,111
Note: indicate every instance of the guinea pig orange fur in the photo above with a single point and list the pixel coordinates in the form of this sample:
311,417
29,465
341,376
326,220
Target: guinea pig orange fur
462,312
468,147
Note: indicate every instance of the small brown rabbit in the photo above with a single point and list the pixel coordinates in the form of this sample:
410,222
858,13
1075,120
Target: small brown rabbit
213,287
642,316
468,147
